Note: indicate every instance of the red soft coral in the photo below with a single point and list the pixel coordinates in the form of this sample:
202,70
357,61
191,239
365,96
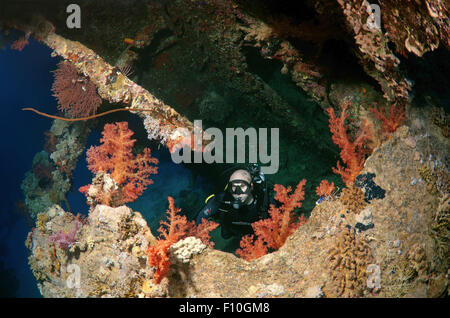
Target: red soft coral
171,231
276,229
176,226
115,157
396,116
353,153
273,232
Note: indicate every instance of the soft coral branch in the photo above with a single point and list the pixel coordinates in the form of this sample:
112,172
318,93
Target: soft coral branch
396,115
202,231
353,153
171,231
176,225
66,240
325,188
251,248
272,232
276,229
130,173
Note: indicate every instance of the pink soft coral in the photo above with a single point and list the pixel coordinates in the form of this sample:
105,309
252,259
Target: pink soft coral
130,173
273,232
66,240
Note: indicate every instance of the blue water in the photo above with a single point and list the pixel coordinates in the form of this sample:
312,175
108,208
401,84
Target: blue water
25,81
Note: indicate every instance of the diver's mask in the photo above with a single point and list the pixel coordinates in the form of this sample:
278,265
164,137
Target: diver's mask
237,187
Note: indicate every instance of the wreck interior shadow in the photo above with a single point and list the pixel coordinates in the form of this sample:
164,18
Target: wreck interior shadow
429,74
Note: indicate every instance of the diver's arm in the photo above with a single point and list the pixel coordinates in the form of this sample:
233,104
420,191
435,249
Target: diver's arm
208,210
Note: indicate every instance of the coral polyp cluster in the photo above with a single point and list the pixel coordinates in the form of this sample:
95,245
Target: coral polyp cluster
352,198
348,260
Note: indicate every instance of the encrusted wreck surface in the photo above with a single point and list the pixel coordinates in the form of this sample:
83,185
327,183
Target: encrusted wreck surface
404,251
107,253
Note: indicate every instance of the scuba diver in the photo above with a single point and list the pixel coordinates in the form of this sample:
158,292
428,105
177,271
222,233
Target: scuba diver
244,200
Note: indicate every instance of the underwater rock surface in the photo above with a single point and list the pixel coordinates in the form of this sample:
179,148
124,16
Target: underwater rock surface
107,254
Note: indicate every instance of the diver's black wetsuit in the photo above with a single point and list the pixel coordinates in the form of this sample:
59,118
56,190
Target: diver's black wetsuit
234,222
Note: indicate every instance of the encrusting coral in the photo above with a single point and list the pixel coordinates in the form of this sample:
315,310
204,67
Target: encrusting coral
441,118
418,260
376,56
124,176
441,227
272,232
352,198
430,29
348,260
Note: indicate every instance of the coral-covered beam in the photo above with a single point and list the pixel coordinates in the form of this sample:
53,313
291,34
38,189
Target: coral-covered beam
376,57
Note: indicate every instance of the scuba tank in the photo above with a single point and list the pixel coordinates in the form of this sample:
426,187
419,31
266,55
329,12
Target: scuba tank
259,183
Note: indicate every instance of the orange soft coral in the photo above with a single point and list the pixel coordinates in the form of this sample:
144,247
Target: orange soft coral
202,230
115,157
273,232
251,248
158,257
325,189
353,153
171,231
